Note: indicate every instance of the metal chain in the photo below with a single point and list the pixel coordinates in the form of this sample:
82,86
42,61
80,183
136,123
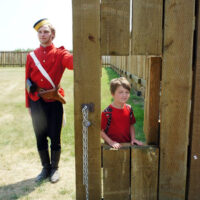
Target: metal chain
85,125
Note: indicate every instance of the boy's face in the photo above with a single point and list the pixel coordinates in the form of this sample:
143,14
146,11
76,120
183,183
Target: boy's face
121,95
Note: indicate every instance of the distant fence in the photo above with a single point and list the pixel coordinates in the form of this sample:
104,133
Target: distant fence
133,67
12,58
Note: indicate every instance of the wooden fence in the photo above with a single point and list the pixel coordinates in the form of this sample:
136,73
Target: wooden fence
12,58
161,54
133,67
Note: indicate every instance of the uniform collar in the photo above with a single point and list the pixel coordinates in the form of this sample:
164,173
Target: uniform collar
48,48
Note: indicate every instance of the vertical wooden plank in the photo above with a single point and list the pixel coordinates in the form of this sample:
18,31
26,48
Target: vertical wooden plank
4,58
152,100
144,68
118,64
116,173
194,171
140,66
121,64
87,72
134,70
126,63
115,22
7,58
176,98
129,63
144,172
112,60
147,27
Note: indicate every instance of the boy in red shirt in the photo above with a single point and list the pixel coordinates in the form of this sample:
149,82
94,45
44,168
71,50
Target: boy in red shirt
117,120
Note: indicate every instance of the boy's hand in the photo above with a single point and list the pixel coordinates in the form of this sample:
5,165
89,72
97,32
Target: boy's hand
137,142
115,145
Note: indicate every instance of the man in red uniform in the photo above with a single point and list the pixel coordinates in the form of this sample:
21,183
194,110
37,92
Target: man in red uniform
44,96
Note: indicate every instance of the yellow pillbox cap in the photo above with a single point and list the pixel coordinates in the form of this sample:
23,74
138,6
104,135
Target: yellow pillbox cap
40,23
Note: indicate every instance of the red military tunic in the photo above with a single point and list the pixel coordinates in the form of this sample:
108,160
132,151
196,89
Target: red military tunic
120,122
54,61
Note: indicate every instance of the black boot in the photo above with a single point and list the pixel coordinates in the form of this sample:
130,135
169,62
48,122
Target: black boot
55,157
45,173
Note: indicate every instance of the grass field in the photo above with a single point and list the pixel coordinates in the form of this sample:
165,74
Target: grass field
19,161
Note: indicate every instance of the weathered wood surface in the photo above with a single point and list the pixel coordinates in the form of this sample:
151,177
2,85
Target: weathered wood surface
147,27
152,99
115,31
176,98
87,71
144,172
194,171
116,173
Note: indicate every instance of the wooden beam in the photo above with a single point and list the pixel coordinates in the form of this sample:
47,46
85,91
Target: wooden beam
115,31
147,27
144,172
176,98
87,72
116,173
134,77
194,157
152,99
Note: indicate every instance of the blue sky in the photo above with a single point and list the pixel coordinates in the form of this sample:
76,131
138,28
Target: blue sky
18,16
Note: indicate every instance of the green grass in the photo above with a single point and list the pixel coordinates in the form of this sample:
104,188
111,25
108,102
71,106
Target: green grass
136,102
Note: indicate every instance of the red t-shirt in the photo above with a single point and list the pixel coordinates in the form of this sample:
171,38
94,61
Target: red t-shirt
119,125
54,61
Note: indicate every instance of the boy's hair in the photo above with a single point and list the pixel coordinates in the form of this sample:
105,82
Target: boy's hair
115,83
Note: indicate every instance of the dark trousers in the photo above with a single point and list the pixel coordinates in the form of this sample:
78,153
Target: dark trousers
47,122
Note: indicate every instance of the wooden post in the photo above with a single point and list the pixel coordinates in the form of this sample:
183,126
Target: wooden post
152,99
147,27
87,72
194,161
176,98
116,173
144,172
115,20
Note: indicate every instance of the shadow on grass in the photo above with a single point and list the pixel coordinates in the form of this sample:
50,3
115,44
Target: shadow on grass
19,189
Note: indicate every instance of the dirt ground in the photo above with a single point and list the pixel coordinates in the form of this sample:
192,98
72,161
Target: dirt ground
17,180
